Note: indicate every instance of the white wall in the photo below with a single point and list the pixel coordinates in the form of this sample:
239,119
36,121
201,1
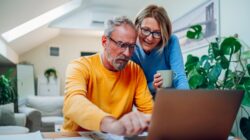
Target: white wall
70,48
233,19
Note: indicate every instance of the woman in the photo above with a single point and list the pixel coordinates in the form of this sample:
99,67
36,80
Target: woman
157,48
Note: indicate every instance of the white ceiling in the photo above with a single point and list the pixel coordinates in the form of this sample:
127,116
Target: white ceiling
16,12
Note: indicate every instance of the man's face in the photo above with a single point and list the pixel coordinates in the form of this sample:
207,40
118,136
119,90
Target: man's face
119,47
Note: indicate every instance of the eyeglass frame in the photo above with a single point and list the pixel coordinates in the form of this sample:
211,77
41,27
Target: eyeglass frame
123,45
153,33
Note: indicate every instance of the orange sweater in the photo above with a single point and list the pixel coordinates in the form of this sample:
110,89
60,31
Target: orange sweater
93,92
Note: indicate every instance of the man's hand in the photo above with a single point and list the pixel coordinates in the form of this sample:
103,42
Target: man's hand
130,124
111,125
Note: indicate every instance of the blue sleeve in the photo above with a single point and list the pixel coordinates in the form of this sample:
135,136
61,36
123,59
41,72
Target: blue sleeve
151,88
176,63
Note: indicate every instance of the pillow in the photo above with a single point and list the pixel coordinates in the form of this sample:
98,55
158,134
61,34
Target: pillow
7,116
47,105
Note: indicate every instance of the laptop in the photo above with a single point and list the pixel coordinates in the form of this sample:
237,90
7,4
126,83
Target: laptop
194,114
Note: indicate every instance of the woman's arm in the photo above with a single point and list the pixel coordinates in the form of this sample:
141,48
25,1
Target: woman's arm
176,63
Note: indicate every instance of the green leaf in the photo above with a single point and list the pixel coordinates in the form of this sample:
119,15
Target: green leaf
211,85
247,85
248,69
216,50
224,62
230,45
204,58
214,73
229,83
195,81
195,32
244,79
207,65
204,62
202,71
191,63
246,99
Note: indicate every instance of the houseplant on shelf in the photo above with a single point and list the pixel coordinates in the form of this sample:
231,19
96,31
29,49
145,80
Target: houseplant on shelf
223,67
51,72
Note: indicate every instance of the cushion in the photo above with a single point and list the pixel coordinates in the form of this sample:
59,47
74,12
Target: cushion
7,116
13,130
9,106
48,106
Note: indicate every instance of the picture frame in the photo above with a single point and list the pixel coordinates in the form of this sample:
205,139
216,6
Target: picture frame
206,14
83,53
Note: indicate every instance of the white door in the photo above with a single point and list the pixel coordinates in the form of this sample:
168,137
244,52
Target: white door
25,82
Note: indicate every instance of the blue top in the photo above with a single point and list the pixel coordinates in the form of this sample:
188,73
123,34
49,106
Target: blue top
168,57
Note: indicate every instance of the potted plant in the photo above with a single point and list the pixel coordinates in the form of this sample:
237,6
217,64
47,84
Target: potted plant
7,89
51,72
223,67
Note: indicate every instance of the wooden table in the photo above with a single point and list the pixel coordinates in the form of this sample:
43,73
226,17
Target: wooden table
76,134
60,134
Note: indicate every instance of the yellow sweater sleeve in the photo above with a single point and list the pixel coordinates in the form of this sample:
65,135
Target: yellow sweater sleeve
143,97
78,110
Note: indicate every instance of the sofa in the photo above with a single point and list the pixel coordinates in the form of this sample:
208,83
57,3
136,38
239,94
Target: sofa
10,122
44,113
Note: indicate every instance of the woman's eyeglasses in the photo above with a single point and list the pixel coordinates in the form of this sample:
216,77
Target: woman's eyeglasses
147,32
123,45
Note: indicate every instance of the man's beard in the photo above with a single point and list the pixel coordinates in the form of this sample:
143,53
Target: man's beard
123,60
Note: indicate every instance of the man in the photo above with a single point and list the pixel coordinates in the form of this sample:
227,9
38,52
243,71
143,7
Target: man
101,89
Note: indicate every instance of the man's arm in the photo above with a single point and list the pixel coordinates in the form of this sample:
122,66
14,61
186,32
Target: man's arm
143,97
77,108
132,123
176,63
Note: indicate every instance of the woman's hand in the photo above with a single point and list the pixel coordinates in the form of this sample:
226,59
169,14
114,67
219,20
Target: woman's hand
158,81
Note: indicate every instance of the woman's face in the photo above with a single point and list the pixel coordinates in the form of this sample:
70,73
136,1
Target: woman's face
149,34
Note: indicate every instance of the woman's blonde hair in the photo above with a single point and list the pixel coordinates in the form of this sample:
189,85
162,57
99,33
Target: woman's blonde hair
161,16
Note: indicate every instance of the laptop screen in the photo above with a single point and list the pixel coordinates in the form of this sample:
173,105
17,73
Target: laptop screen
194,114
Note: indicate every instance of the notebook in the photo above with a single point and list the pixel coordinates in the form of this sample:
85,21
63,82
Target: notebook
194,114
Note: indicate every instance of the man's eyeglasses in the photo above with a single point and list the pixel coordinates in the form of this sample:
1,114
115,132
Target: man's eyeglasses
123,45
147,32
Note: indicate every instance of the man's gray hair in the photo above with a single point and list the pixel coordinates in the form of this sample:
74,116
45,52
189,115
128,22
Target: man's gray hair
116,21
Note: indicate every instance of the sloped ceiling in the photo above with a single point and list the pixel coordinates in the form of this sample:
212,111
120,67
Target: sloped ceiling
16,12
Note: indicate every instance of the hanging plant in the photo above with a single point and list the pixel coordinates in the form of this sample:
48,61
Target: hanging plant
51,72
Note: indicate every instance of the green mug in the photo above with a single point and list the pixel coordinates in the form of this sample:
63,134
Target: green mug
167,76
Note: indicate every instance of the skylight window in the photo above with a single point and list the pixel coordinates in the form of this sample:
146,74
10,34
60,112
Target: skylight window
40,20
